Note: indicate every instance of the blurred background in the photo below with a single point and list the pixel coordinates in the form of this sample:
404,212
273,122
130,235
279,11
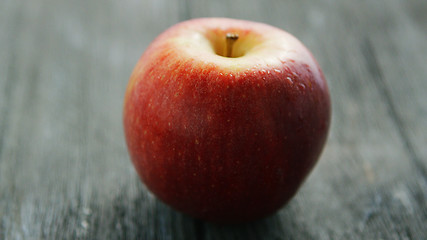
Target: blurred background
64,169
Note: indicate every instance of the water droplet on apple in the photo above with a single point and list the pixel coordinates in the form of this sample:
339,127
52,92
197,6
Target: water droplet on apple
301,86
290,80
277,70
263,72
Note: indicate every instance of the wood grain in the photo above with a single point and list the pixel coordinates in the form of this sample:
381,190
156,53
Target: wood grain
64,168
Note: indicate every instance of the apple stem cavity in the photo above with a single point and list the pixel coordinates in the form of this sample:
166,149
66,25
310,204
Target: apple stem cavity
230,39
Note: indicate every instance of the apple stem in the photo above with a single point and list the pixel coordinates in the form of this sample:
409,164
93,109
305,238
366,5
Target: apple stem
230,39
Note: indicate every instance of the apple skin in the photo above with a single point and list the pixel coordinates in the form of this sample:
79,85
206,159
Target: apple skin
225,139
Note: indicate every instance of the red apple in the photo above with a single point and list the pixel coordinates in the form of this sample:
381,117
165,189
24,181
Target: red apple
226,128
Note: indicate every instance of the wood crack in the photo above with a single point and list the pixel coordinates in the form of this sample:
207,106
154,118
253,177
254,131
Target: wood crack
6,99
199,228
185,11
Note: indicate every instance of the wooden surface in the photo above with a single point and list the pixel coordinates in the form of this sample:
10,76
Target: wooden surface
64,169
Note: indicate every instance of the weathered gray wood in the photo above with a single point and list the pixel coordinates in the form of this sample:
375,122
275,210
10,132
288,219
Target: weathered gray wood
64,169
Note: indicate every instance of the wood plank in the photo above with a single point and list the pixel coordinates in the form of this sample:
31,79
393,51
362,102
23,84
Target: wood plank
404,77
64,169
